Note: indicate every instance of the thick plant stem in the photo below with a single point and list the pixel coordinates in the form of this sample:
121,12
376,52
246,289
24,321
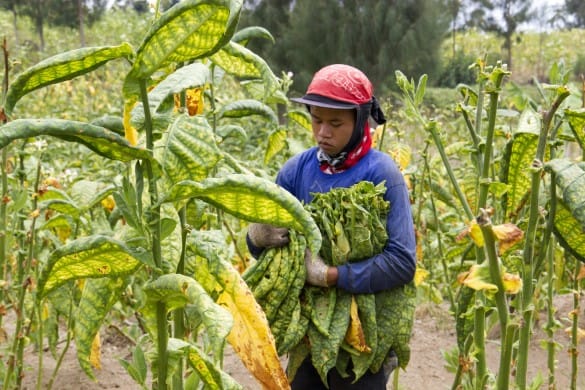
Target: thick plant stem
432,128
551,323
4,199
484,223
438,232
65,348
573,350
487,154
3,222
484,179
527,308
155,227
549,243
40,342
24,282
479,340
179,314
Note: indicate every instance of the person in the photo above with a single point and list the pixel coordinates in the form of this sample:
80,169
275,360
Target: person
340,102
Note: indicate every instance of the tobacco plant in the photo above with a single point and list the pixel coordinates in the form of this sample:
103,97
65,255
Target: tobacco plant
157,235
514,194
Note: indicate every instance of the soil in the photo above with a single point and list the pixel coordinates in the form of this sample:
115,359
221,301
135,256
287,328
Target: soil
433,335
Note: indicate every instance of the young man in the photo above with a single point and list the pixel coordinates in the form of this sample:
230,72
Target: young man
340,101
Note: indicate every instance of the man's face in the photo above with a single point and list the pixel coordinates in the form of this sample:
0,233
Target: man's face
332,128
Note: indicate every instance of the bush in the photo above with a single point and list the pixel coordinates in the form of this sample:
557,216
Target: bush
457,71
579,67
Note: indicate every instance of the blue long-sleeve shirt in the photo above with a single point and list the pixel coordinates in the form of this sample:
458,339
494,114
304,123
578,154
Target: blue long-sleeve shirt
396,265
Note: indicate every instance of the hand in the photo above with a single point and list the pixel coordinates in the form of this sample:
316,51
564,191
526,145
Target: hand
316,270
267,236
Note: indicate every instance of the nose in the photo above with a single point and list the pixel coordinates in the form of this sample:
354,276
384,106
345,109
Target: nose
324,130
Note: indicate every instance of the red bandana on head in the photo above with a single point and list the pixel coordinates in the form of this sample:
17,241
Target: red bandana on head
343,83
342,86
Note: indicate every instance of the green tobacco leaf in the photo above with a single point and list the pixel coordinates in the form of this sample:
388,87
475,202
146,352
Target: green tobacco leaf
110,122
89,257
208,371
58,200
259,90
188,150
88,194
570,178
576,119
302,118
190,30
253,199
189,76
62,206
56,222
518,157
97,298
100,140
247,107
179,291
529,122
232,131
236,60
247,33
569,231
570,214
276,142
61,67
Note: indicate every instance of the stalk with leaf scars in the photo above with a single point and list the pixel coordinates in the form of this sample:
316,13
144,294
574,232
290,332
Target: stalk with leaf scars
528,276
23,282
574,315
493,83
440,251
484,222
155,228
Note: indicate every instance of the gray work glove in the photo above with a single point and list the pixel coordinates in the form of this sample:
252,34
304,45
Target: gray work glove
267,236
390,364
316,270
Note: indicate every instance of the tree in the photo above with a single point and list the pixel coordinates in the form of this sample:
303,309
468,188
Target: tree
273,15
69,13
377,36
576,10
501,17
11,6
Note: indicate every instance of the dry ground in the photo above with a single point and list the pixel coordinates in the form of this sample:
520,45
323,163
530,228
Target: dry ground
433,334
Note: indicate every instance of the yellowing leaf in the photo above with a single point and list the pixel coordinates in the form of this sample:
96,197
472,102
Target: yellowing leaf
95,354
355,333
420,275
130,132
195,101
108,203
478,278
580,333
401,153
250,336
507,235
512,283
475,233
63,232
377,135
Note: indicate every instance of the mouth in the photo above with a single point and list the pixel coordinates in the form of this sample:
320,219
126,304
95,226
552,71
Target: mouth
325,146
